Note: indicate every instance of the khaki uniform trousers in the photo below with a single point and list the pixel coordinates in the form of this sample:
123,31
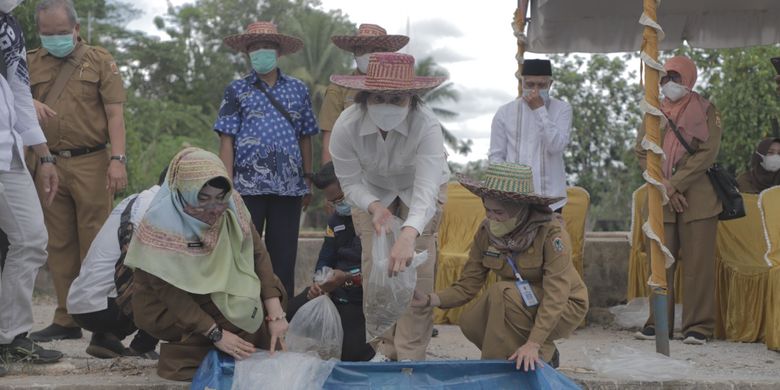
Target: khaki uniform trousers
408,339
693,243
77,213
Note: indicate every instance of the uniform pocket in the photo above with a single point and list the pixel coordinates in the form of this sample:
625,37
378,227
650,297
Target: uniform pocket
89,79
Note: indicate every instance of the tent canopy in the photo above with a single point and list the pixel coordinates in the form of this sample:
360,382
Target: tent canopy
604,26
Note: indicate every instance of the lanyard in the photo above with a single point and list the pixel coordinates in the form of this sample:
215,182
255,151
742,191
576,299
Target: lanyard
514,268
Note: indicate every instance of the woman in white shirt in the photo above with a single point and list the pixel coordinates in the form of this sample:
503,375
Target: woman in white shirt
388,151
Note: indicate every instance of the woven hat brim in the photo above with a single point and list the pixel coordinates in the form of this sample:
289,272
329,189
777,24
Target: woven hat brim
391,43
478,189
420,84
287,44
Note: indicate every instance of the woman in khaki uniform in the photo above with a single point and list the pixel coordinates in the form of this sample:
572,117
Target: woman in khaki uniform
691,215
203,278
525,245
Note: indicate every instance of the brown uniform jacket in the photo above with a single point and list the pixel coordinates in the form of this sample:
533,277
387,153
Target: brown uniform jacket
546,265
160,308
745,184
337,99
81,117
690,174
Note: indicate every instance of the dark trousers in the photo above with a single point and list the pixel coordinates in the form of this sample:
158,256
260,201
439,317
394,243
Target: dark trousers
277,218
354,347
113,321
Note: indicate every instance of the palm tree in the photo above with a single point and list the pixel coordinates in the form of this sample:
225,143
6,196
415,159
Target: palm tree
444,92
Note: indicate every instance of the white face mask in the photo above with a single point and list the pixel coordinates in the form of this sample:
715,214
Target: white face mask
362,62
674,91
6,6
387,116
771,162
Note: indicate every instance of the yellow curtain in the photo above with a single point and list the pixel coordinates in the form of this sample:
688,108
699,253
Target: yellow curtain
575,215
462,215
741,276
638,261
769,203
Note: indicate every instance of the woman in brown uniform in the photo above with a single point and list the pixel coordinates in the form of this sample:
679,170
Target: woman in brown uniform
764,169
539,297
691,215
203,278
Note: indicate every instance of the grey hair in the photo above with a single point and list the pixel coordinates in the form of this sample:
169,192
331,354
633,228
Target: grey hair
67,5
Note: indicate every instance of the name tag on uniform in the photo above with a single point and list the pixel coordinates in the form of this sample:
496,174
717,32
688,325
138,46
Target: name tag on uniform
492,252
339,228
194,245
527,293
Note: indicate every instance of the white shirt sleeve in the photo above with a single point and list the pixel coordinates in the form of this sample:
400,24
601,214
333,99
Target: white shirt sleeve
556,131
26,120
498,138
347,166
427,175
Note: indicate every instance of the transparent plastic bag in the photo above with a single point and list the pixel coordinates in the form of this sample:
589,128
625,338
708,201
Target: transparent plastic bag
633,314
631,364
283,370
386,298
316,326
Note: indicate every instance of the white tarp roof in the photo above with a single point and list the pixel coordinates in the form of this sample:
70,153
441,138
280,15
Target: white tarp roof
603,26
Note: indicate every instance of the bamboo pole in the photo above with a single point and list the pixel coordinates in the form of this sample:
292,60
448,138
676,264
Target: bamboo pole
657,280
518,25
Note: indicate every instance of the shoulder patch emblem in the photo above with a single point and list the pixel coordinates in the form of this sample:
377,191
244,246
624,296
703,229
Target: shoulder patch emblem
114,68
329,232
558,244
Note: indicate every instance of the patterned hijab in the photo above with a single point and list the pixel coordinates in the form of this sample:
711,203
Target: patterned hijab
196,257
760,177
689,114
529,220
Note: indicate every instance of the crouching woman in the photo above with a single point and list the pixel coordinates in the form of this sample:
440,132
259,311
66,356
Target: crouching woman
203,278
539,296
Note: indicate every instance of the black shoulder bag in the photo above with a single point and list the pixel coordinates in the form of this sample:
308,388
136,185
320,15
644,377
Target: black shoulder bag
278,106
724,184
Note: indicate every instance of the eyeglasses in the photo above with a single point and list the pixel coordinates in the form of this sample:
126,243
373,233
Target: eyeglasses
671,77
398,100
336,201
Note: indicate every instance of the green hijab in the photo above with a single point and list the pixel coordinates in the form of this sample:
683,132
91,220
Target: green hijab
196,257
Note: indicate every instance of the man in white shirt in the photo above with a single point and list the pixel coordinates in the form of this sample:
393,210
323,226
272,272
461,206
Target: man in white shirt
388,152
21,216
93,299
534,130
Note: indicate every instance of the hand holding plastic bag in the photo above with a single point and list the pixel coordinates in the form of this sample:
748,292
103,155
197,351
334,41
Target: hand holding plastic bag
316,326
386,298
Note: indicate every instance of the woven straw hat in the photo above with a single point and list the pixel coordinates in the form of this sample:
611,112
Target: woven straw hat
263,32
389,73
507,182
370,35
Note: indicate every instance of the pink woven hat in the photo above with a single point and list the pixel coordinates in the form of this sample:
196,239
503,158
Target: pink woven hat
389,73
370,35
263,32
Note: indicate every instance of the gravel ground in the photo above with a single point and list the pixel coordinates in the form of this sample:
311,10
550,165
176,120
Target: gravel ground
717,362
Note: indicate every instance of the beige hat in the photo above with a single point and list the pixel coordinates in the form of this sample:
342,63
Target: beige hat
370,35
389,73
263,32
507,182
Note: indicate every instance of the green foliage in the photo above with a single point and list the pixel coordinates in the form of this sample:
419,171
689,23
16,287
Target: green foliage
606,115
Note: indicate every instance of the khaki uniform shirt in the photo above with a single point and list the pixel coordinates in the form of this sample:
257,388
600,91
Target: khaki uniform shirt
337,99
81,120
546,265
690,174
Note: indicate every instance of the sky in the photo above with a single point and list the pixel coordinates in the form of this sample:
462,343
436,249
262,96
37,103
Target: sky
474,44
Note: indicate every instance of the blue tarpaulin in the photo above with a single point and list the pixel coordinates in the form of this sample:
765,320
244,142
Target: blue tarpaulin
216,372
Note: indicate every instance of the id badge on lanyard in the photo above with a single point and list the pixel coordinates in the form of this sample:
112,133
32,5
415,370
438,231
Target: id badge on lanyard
526,292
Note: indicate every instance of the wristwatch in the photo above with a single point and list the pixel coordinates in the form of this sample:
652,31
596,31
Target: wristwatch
121,158
49,159
215,335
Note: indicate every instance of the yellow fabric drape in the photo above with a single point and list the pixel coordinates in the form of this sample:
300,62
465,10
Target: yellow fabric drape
769,203
575,215
638,261
741,276
462,215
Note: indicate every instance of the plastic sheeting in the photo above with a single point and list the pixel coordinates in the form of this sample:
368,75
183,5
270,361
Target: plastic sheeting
215,372
455,375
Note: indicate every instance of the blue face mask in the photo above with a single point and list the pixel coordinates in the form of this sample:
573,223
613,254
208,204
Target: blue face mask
58,45
263,60
343,209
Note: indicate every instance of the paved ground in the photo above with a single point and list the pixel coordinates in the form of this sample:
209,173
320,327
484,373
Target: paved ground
717,365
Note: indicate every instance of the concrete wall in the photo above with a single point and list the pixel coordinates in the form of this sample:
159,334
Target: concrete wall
606,267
